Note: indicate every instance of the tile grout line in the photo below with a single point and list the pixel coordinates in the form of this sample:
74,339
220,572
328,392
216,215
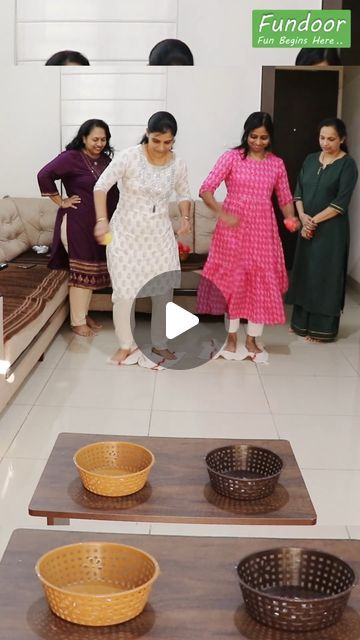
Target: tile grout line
152,402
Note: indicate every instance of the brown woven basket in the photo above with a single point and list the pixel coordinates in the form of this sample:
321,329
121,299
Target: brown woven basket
243,472
114,468
97,583
295,589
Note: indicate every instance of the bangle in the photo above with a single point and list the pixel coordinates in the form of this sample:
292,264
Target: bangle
100,220
186,217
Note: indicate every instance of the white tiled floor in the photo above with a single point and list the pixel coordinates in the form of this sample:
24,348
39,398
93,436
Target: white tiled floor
308,394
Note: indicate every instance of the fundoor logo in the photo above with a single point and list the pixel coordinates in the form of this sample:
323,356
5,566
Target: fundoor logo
301,28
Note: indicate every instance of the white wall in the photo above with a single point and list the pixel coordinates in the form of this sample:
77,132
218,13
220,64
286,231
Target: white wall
58,100
106,31
219,32
30,133
351,110
210,106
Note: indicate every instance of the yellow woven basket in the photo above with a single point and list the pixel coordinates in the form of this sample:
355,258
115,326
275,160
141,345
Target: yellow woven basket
114,468
97,583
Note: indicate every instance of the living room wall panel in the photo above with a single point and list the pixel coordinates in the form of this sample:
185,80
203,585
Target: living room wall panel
217,31
99,41
113,84
82,10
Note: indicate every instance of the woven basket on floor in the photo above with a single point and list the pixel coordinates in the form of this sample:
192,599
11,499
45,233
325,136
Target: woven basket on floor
114,468
97,583
243,472
295,589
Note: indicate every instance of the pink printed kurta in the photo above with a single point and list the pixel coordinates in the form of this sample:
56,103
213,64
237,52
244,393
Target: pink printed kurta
246,263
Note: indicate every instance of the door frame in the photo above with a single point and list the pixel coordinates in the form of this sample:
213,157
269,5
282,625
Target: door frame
332,4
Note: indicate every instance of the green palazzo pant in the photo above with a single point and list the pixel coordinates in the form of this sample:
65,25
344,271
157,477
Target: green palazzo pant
314,325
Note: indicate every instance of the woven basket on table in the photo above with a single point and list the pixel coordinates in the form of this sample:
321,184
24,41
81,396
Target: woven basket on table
295,589
114,468
97,583
243,472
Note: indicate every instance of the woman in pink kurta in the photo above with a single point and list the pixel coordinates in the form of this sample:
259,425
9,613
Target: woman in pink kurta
245,275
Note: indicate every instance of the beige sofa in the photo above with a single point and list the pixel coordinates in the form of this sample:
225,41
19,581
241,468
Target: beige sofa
33,301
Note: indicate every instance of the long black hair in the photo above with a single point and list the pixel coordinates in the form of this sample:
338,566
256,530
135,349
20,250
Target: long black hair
85,129
340,128
62,58
171,52
254,121
310,57
160,122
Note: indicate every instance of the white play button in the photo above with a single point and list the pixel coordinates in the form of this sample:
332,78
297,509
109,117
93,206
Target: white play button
193,340
178,320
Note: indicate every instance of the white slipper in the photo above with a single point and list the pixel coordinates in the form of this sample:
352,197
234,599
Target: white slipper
241,353
132,358
144,361
260,358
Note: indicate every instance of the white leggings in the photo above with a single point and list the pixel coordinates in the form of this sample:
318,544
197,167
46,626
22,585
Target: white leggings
124,319
254,330
79,297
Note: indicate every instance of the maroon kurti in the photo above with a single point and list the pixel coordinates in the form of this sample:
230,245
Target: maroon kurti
86,259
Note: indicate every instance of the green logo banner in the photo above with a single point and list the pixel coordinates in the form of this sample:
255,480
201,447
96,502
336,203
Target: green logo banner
300,28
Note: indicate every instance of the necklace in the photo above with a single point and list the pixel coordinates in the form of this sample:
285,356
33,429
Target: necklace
92,165
157,181
323,164
153,160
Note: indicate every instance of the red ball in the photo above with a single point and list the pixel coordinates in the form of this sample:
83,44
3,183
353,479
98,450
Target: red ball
291,224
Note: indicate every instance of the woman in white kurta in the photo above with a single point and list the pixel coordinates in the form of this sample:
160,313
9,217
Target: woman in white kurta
143,243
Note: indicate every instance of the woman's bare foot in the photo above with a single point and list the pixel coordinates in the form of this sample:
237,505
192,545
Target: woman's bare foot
120,356
231,342
83,330
96,326
164,353
251,345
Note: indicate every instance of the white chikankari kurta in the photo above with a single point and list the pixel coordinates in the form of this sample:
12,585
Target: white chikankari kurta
143,242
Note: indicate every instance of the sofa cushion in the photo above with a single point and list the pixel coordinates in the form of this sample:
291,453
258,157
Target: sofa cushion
25,293
205,222
38,217
39,282
13,238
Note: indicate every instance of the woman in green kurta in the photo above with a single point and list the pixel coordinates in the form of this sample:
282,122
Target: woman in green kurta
322,196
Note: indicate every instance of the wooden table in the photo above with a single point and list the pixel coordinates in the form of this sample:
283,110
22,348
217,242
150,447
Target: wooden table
196,597
178,489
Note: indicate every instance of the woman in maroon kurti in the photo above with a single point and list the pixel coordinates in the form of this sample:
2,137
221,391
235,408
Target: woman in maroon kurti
74,246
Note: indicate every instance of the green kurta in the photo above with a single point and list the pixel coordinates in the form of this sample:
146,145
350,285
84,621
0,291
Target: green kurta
319,271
